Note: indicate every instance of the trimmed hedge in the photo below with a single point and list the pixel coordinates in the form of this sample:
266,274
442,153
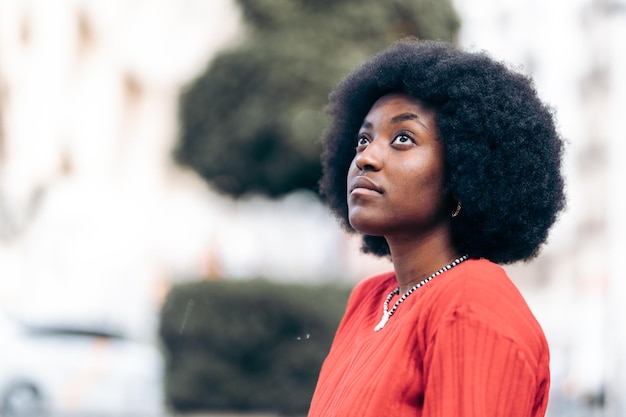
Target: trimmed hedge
247,345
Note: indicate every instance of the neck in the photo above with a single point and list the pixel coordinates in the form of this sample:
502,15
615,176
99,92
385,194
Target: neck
416,259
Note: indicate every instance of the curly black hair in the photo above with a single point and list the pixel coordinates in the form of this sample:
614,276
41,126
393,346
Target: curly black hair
502,151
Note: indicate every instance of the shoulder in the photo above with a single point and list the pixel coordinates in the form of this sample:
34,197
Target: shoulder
365,302
480,292
373,282
479,281
372,288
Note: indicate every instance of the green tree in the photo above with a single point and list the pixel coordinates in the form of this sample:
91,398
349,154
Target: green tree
251,121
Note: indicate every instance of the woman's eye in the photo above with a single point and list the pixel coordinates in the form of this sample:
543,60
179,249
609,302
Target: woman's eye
403,139
362,141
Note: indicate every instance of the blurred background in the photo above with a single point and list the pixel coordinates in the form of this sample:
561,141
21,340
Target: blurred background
158,162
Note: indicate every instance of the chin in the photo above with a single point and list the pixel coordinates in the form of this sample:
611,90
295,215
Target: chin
366,228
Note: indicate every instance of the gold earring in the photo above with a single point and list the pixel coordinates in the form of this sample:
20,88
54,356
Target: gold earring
458,209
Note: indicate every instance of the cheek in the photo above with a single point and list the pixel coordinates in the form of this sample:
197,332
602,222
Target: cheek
352,172
427,188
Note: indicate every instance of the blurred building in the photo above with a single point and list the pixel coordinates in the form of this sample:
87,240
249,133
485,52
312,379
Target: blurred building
94,216
96,220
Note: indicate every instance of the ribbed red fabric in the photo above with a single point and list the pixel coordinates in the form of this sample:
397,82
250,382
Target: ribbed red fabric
465,344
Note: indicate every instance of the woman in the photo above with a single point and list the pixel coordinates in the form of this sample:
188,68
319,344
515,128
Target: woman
447,162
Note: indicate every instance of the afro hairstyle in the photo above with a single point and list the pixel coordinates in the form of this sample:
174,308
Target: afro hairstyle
502,151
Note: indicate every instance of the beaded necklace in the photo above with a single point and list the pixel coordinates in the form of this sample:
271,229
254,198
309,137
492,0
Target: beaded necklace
388,313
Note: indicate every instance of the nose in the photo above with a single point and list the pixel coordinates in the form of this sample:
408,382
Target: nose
370,158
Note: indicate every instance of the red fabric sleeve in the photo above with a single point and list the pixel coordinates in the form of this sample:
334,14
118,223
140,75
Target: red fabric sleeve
471,370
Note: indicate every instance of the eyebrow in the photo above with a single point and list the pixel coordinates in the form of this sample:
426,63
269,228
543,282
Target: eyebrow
407,116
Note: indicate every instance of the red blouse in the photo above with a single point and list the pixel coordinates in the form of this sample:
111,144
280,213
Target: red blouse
464,344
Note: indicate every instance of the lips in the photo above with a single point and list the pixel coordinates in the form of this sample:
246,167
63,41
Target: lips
365,183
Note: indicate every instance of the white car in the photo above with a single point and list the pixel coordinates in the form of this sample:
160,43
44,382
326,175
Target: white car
69,371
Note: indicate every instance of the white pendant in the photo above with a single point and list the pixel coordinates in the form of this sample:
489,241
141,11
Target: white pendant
383,320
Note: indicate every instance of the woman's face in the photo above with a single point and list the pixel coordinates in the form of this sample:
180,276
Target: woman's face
395,181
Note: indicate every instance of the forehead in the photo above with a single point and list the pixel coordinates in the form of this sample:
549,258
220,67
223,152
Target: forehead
393,104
